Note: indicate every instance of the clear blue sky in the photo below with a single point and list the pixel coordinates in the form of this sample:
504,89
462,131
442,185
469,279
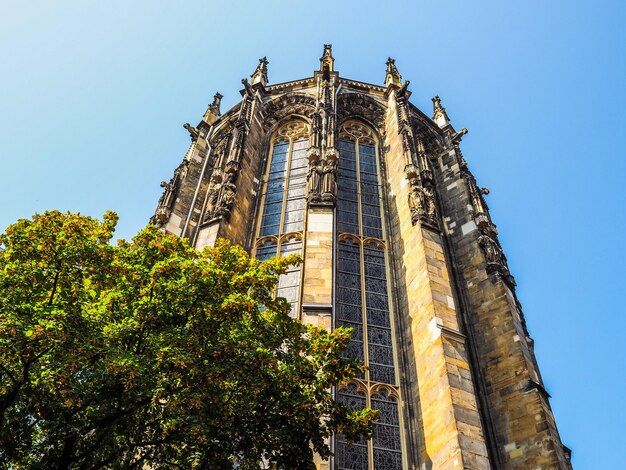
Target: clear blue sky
93,96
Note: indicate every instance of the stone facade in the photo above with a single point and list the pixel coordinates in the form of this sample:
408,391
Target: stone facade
397,242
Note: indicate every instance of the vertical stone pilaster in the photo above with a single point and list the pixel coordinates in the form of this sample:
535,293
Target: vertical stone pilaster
236,227
521,419
317,287
177,199
318,277
230,214
444,393
174,210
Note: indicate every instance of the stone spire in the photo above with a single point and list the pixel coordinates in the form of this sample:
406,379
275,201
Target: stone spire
213,111
327,61
440,116
392,77
260,74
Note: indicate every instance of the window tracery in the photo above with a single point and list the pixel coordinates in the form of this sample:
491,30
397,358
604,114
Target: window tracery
282,219
362,301
355,455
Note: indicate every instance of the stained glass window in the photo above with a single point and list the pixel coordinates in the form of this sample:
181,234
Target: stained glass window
266,251
351,456
285,186
289,283
380,352
362,299
274,196
387,452
284,203
294,207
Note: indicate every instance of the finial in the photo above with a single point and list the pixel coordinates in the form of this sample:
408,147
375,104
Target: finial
440,116
260,74
392,77
217,99
213,111
327,61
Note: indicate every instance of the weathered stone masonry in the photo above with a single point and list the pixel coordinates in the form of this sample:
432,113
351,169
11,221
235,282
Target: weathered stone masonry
372,178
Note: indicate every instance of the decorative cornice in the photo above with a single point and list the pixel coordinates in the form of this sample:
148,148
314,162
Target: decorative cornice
310,81
363,85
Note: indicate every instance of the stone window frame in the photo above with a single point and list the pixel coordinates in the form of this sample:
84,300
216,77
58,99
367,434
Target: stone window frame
288,130
360,131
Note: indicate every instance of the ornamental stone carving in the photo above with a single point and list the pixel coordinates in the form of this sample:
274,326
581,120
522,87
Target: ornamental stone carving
260,74
314,178
495,259
213,194
322,154
220,195
315,140
170,193
227,198
329,182
360,105
322,180
422,205
193,132
290,104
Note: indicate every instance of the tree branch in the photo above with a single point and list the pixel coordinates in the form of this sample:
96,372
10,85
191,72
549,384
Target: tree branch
8,372
54,287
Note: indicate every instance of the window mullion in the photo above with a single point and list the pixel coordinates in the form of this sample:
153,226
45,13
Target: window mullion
265,189
368,399
285,186
361,262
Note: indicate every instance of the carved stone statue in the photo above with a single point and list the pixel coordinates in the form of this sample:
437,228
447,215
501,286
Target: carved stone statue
415,200
496,261
492,251
240,134
329,183
428,196
214,190
221,196
493,254
313,181
227,199
316,131
168,198
422,203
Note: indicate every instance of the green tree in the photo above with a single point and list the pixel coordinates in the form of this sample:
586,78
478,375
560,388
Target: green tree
152,353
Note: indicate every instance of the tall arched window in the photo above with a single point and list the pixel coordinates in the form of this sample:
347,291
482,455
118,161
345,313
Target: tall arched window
282,220
284,198
362,301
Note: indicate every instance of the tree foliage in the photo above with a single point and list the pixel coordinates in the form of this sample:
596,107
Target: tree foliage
152,353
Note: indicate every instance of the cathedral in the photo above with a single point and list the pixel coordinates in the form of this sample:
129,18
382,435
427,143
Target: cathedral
398,244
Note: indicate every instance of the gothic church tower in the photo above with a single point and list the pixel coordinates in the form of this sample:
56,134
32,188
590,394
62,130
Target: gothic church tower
397,243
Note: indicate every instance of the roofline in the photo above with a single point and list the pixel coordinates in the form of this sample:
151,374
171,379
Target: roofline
311,81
